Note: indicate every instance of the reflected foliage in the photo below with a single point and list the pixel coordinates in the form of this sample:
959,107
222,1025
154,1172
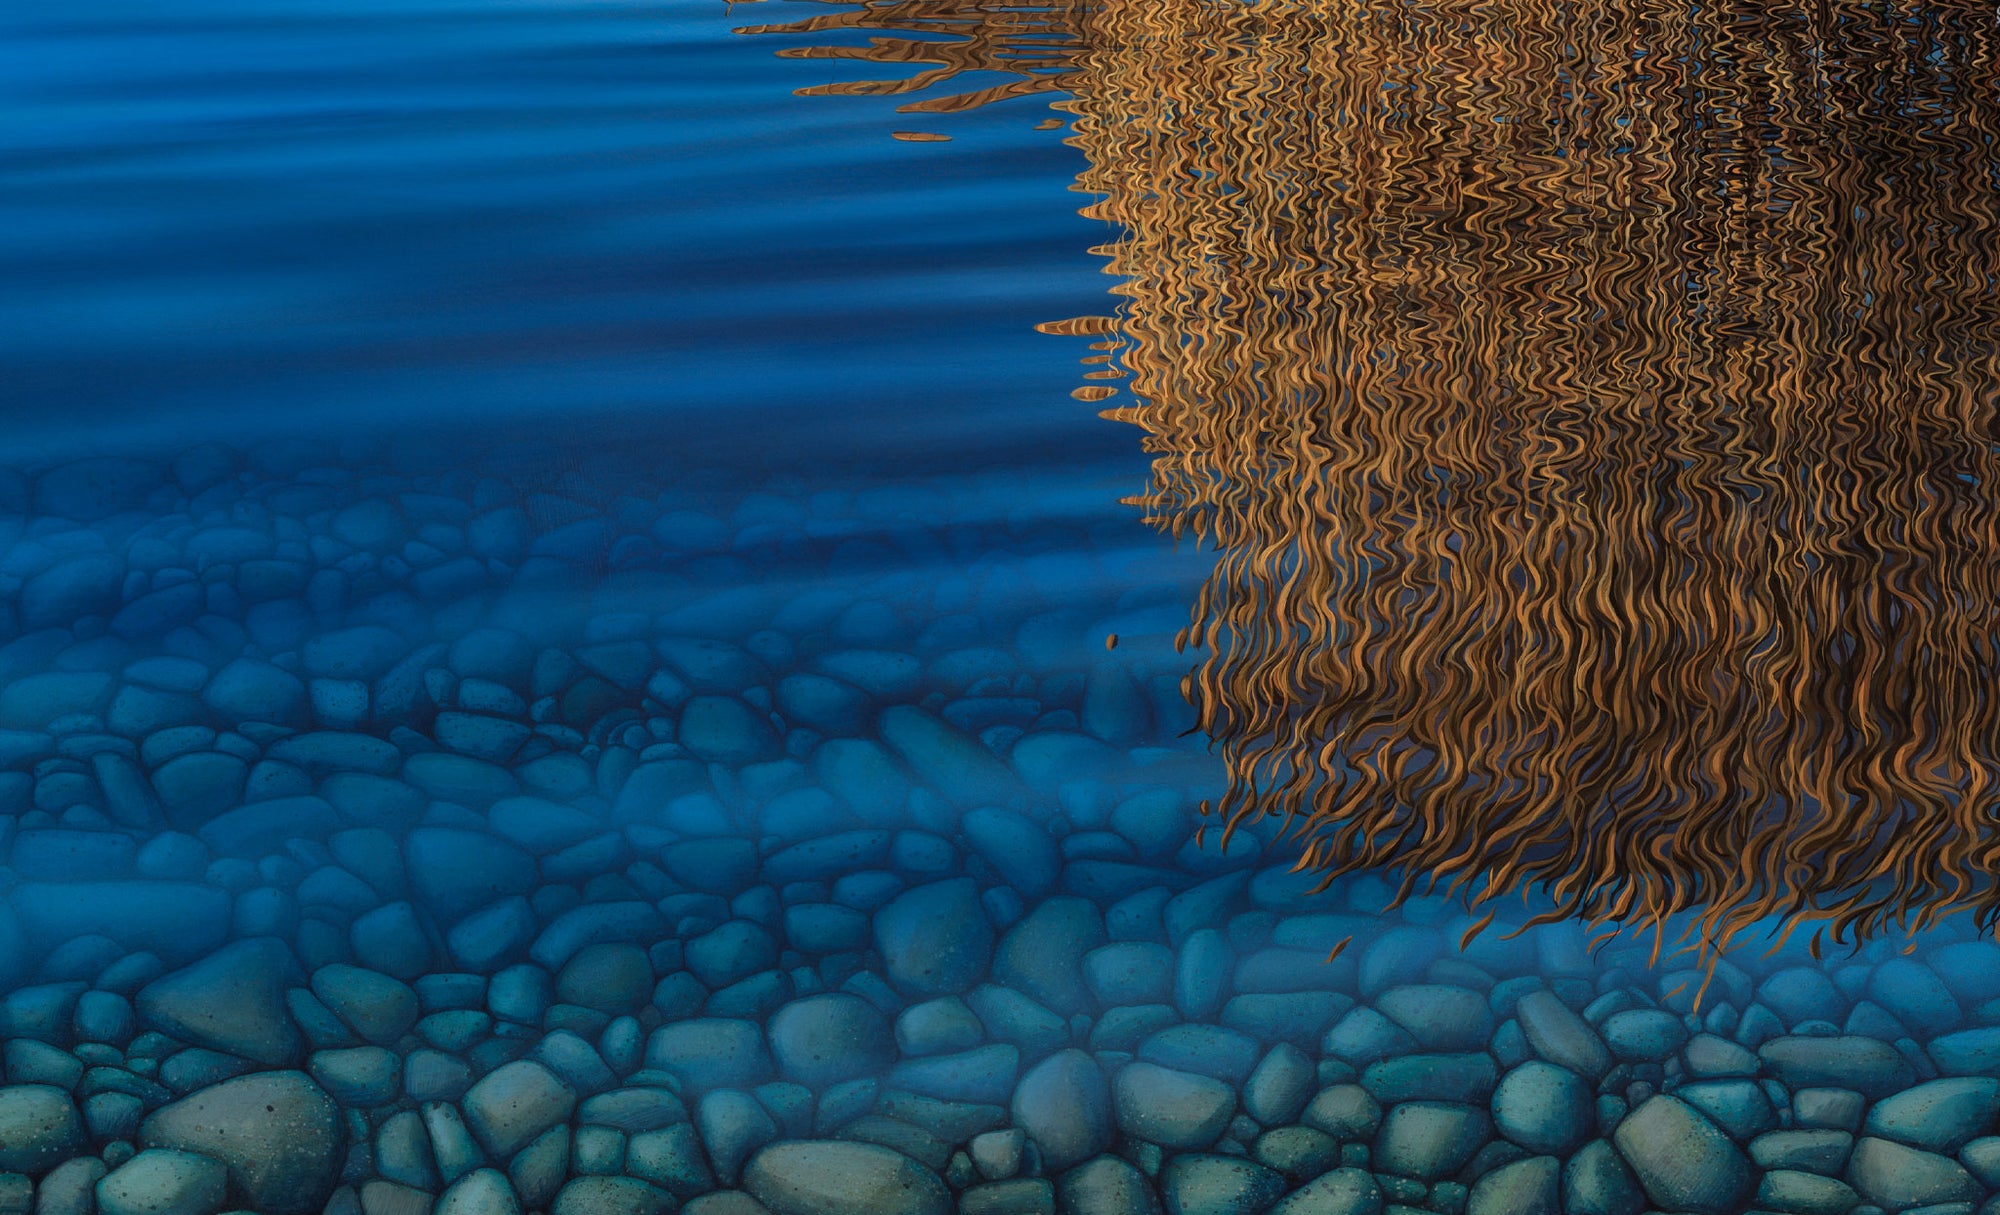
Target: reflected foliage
1593,408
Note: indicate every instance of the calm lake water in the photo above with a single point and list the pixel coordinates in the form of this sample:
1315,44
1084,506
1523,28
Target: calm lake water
567,647
559,218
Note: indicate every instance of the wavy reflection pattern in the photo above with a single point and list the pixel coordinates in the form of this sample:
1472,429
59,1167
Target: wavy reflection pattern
1593,409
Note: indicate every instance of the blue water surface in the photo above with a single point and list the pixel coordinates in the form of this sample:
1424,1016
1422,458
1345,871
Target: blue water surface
304,218
565,648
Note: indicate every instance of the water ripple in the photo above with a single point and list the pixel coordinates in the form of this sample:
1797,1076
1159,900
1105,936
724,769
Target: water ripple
1594,407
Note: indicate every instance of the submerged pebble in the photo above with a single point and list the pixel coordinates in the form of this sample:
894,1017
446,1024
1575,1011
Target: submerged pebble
867,899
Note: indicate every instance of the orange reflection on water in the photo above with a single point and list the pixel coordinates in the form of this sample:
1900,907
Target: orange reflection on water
1593,408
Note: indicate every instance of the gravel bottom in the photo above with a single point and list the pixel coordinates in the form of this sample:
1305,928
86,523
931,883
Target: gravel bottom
389,840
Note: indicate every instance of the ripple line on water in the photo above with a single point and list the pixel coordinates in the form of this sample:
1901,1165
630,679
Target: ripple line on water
1594,411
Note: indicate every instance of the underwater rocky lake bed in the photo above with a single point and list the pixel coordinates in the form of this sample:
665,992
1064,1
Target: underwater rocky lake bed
566,648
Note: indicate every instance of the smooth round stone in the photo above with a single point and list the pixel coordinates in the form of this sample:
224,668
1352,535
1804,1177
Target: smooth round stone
199,786
1469,1078
379,1008
495,654
623,1044
1643,1035
860,773
430,1075
460,779
71,1186
822,703
1802,993
882,673
29,1061
232,1001
1897,1177
1683,1160
39,1128
278,1133
490,739
112,1116
1299,1152
1281,1085
998,1154
611,1196
1595,1179
1106,1184
1344,1191
1172,1108
1967,1052
1874,1069
1348,1112
456,870
83,585
520,993
722,729
711,1052
359,1077
1915,996
512,1105
1815,1151
1129,972
481,1192
1364,1036
612,978
363,652
643,1108
824,1039
672,1157
947,759
163,1182
1439,1017
1202,973
935,939
1064,1105
983,1075
247,690
731,952
1544,1108
95,487
1400,955
733,1124
392,939
494,935
841,1178
1970,970
1560,1036
1206,1050
103,1016
1524,1187
1707,1055
1019,849
373,523
936,1027
1429,1140
1219,1185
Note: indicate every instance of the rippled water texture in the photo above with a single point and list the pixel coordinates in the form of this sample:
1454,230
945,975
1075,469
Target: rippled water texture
567,648
1595,412
241,220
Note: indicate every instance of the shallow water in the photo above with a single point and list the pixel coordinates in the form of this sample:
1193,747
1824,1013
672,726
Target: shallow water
564,633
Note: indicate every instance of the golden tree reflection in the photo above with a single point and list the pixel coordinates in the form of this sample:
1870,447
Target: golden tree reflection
1593,408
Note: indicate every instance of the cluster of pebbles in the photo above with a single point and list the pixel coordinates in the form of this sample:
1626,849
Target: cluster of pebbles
390,839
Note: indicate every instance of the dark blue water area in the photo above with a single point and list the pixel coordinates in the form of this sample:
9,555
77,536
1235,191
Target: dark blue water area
556,655
239,219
